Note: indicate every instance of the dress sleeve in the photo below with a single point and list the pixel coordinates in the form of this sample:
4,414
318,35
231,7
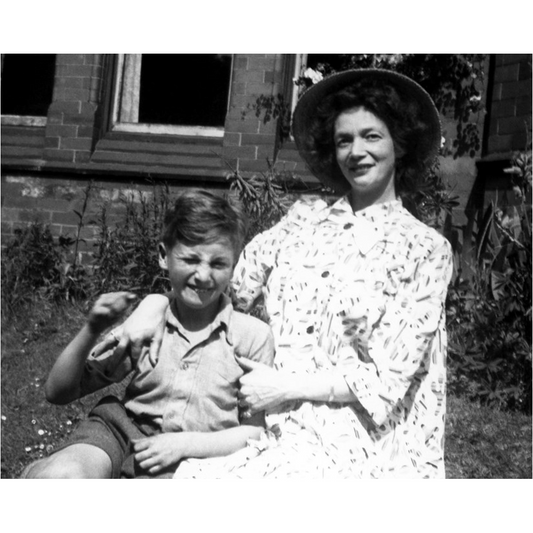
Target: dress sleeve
104,366
390,339
260,254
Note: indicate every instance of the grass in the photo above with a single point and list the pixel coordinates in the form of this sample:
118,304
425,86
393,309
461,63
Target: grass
481,443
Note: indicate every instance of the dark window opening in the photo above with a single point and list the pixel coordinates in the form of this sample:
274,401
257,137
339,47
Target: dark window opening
328,62
184,89
27,84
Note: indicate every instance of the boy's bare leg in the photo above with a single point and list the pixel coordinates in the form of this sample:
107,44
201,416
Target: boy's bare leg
78,461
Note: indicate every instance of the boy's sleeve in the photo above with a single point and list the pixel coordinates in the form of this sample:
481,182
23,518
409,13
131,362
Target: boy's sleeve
104,366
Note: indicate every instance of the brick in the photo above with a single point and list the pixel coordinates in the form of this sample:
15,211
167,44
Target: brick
237,88
265,152
510,125
82,156
63,131
505,108
249,125
246,152
68,218
69,94
525,69
523,107
512,90
34,215
232,138
10,214
258,62
75,144
273,77
71,59
500,143
69,108
59,155
73,83
78,71
507,73
51,142
257,138
252,165
240,62
249,76
259,88
86,131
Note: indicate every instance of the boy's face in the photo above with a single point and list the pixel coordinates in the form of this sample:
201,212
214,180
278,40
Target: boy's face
199,274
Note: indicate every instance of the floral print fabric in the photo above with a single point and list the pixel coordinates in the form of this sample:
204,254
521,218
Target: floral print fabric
362,293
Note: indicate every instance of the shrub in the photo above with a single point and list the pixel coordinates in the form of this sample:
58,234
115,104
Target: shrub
126,256
37,264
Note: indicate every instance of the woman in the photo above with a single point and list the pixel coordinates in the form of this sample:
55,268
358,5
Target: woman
354,293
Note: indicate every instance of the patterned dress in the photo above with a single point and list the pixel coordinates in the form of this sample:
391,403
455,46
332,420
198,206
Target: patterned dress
362,293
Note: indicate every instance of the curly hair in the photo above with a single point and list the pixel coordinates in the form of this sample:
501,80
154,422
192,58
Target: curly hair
202,217
395,108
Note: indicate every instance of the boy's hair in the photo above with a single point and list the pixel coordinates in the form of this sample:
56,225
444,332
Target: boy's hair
202,217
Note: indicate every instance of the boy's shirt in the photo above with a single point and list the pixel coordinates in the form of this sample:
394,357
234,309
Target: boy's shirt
188,387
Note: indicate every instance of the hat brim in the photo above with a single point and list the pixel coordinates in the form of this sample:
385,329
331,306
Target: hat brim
306,108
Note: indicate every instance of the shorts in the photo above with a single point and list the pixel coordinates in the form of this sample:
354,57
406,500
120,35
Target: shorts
110,428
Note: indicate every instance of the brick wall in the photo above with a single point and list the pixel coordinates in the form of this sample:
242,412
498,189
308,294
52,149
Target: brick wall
511,104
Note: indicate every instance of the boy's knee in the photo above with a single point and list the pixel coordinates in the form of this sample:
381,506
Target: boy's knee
84,463
55,468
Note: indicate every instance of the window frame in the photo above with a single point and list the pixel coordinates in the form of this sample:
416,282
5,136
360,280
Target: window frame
125,103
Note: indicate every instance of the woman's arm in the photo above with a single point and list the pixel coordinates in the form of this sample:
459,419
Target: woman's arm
167,449
63,383
400,344
145,325
264,388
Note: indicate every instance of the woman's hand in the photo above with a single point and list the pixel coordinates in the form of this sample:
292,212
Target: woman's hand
146,325
160,451
262,387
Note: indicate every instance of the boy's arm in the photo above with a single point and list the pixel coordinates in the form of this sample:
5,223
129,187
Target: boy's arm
63,383
167,449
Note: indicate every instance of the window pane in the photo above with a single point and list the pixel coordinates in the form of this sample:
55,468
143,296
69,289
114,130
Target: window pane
184,89
27,84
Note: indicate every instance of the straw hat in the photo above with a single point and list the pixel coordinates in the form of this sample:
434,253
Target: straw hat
428,145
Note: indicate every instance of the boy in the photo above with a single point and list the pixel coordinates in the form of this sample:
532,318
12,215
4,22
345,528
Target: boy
183,401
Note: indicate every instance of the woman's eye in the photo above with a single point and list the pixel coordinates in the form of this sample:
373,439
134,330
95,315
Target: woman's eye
373,137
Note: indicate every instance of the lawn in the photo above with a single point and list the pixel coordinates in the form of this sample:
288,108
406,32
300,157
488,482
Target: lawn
481,443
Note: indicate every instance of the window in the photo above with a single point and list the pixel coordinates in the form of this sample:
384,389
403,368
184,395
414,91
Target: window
27,88
172,93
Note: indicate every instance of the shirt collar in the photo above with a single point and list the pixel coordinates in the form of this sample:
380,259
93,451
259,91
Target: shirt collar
222,320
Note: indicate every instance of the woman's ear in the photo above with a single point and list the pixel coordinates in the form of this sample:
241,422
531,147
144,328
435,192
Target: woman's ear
162,256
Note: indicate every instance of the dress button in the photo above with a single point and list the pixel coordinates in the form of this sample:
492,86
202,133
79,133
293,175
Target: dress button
348,226
310,329
325,274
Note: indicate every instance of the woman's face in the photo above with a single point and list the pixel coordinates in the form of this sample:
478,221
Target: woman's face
365,154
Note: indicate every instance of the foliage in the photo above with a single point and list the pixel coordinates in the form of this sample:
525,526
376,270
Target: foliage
265,197
489,308
126,256
454,81
37,264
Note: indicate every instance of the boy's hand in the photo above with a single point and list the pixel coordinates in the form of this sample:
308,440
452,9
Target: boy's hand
108,309
160,451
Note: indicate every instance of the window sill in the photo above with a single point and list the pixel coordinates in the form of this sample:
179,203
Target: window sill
167,129
16,120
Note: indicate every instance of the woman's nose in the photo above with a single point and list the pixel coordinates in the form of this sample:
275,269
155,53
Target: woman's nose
357,149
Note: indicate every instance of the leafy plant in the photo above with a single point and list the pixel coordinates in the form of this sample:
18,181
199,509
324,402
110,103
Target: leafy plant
126,256
37,264
489,309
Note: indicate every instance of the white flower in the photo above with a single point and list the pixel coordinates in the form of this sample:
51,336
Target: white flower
442,141
313,75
